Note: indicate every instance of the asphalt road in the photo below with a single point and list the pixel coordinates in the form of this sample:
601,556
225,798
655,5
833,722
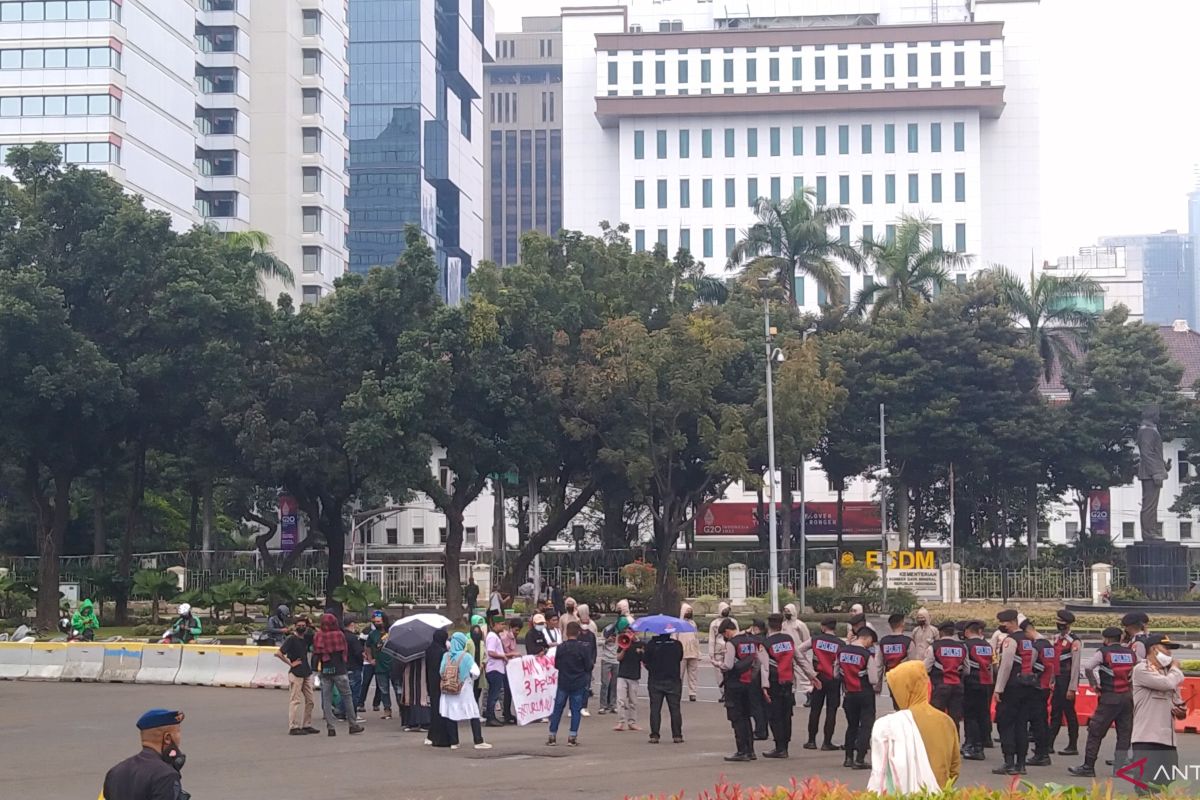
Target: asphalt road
57,741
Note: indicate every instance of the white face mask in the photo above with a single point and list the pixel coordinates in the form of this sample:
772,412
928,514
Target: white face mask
541,628
1166,659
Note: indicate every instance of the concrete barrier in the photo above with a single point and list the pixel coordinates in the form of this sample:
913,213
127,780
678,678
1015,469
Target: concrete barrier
160,663
14,660
46,661
122,662
236,666
199,664
271,672
85,661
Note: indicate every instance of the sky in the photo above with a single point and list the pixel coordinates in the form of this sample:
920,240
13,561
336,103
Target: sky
1120,125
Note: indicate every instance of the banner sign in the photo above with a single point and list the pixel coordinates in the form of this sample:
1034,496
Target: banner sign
903,559
289,523
1100,503
741,519
534,682
924,583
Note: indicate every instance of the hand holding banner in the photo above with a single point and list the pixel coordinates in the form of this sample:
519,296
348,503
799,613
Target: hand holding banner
534,682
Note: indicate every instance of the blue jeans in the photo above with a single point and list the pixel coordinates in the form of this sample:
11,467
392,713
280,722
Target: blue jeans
355,676
494,684
576,698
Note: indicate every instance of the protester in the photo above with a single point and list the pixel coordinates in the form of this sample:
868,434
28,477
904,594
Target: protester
496,603
294,653
186,626
497,676
377,665
716,645
153,774
332,653
574,662
552,631
923,634
477,651
663,657
354,662
510,649
1156,706
535,638
1110,671
914,750
859,671
689,670
556,598
744,660
608,669
85,621
977,693
1046,667
1069,650
570,613
784,666
858,621
1014,691
794,626
624,612
629,674
825,647
587,635
471,595
412,694
458,671
439,729
945,661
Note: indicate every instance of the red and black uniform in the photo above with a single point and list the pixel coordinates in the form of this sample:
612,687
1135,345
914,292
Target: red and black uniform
977,693
1016,683
895,648
825,649
859,670
781,650
1046,667
1067,649
742,669
1111,670
946,660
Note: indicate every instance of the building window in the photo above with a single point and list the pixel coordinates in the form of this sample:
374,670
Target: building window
844,140
868,234
706,189
936,230
866,139
1182,466
57,10
752,142
843,68
730,193
868,189
844,190
637,73
819,67
685,193
312,101
1185,530
935,187
889,138
662,193
889,189
935,137
985,62
312,62
889,234
312,219
707,244
706,143
912,65
776,190
935,64
799,294
1126,530
311,180
730,240
685,143
914,137
729,70
418,537
821,190
660,72
660,144
914,187
393,536
75,105
612,73
705,70
844,238
310,295
820,140
639,241
773,70
311,140
752,192
960,281
960,237
60,58
311,259
889,65
797,140
751,70
960,63
312,23
208,204
960,187
960,137
471,534
639,145
1072,531
730,148
639,194
685,239
865,66
774,137
797,68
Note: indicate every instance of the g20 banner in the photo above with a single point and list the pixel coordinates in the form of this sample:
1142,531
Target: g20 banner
534,682
1100,516
289,522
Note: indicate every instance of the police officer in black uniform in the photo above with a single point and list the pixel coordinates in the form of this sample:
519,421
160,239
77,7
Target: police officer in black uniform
152,774
1110,670
744,662
758,704
783,662
977,692
1016,683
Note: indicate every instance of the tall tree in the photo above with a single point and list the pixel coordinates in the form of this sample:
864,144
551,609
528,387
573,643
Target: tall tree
909,268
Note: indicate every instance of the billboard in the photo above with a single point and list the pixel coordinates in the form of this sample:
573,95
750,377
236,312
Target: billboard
1100,503
741,519
289,523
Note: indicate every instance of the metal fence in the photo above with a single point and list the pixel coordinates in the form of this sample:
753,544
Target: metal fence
420,584
1037,583
758,581
313,579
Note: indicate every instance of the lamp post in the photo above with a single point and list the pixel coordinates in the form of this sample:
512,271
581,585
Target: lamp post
803,514
883,524
772,525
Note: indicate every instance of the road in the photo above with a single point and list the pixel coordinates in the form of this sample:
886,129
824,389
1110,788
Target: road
59,739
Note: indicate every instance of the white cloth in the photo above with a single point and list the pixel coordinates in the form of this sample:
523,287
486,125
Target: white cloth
899,764
461,706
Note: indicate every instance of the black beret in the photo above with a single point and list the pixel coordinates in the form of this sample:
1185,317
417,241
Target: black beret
1065,616
1111,633
946,625
1134,618
976,624
829,622
858,618
1007,615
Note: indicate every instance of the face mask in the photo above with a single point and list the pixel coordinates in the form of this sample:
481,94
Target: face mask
788,615
1166,659
1062,626
172,756
541,628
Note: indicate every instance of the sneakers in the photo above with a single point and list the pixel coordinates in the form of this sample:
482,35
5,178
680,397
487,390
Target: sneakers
861,765
633,726
386,715
585,713
361,710
551,741
620,726
1039,761
572,741
483,746
602,711
1008,769
678,740
654,738
356,729
810,745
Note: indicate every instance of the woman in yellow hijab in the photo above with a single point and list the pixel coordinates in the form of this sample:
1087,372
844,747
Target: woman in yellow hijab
916,748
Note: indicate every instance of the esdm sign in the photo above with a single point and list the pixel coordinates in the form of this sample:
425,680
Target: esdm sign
914,570
534,682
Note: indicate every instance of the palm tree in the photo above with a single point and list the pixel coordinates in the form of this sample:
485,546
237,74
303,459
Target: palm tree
267,264
910,270
1046,306
794,237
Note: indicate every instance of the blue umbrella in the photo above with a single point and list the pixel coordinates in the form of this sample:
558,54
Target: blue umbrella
661,623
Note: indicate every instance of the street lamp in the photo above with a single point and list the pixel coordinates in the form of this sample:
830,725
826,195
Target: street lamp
803,512
764,283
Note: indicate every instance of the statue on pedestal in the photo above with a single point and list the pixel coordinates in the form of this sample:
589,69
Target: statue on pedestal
1152,472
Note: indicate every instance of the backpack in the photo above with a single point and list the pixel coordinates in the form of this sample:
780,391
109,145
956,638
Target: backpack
451,683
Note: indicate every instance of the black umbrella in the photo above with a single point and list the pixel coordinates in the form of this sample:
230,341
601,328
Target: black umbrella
409,638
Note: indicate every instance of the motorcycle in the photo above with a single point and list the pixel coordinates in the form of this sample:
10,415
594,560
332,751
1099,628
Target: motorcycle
267,638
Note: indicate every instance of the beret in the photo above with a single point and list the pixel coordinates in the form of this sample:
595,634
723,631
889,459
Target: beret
1111,633
1007,615
1065,616
159,718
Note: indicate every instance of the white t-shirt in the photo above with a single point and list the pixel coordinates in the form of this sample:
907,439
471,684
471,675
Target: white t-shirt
493,644
495,604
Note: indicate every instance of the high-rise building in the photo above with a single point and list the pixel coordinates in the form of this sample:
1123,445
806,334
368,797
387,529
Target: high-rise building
1194,235
1167,264
1109,266
523,158
416,130
679,115
163,96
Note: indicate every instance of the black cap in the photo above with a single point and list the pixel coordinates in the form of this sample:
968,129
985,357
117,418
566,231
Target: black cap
829,622
1135,618
868,631
1007,615
946,625
1065,616
975,624
758,623
1111,633
1163,639
858,619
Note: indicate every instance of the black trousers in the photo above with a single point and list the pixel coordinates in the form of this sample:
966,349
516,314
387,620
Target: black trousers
1112,708
1061,708
1039,722
671,694
860,719
1012,718
783,701
758,710
977,714
829,697
452,731
949,699
737,708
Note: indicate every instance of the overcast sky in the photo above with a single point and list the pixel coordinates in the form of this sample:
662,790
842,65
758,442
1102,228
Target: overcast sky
1120,122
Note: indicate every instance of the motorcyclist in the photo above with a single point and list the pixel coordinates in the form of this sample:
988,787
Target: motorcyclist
186,627
278,624
85,621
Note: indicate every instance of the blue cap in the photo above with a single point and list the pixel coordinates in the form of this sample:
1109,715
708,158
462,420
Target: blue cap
159,718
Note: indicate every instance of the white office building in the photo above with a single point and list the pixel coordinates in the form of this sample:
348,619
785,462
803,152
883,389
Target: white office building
1119,276
679,114
164,96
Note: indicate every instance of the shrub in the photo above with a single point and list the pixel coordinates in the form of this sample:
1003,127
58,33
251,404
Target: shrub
640,576
817,789
1190,666
822,600
901,601
357,596
1127,593
602,599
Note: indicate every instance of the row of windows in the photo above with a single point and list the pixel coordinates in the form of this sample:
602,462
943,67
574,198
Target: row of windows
749,72
71,105
866,195
60,58
392,535
773,146
707,249
58,10
79,152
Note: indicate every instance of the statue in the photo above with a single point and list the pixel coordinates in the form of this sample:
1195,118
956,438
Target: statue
1152,471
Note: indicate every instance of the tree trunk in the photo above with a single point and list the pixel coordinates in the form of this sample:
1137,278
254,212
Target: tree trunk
194,519
918,533
333,527
52,517
206,524
841,510
785,524
902,513
499,541
665,599
763,528
451,558
555,524
1031,520
133,519
99,536
614,534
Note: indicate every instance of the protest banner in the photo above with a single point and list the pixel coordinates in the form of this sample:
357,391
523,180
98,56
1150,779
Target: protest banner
534,682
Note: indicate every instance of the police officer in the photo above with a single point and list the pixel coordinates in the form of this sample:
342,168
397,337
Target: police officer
1110,670
1135,623
784,666
152,774
857,623
977,692
1062,704
945,660
858,666
758,706
896,646
744,661
1046,666
825,647
1015,685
